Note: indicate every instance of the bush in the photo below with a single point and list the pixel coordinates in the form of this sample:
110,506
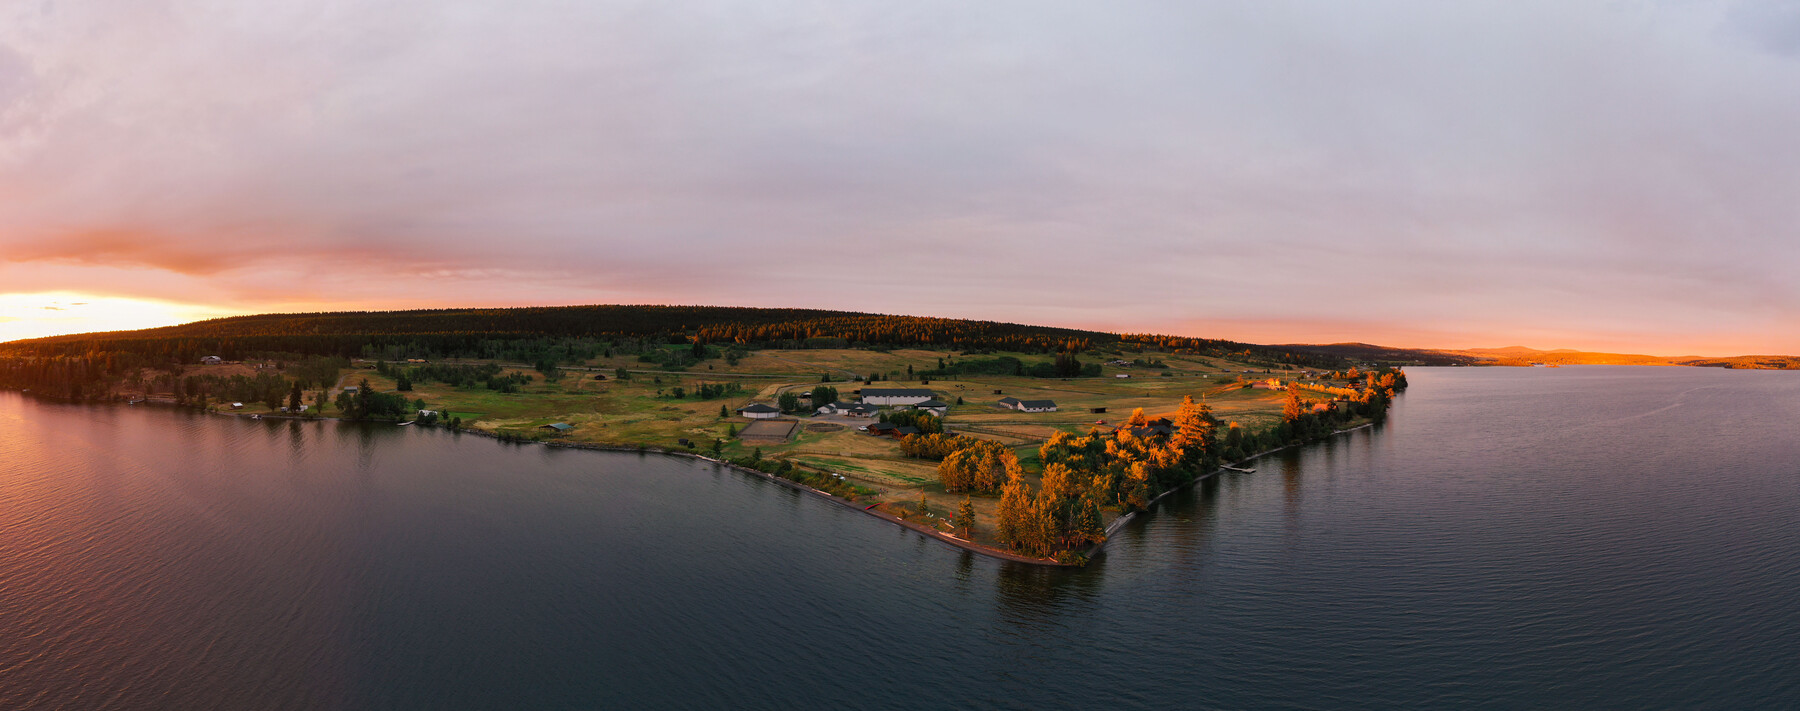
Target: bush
1071,558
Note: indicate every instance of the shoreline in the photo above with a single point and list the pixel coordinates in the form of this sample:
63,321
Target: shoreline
929,532
1127,518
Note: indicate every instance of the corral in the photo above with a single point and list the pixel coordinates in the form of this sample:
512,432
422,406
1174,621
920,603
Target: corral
768,430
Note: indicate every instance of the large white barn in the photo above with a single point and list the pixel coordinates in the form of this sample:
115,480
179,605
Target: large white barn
895,396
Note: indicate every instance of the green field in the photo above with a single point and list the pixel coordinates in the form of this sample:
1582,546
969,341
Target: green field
643,411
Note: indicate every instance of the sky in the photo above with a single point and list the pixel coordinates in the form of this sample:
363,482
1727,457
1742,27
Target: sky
1616,175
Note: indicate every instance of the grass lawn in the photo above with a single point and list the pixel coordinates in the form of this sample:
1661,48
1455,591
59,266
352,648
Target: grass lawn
642,410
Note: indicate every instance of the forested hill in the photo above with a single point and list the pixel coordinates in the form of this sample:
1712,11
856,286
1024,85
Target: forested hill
437,331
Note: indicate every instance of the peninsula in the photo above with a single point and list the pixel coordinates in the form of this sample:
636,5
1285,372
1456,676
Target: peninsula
1021,441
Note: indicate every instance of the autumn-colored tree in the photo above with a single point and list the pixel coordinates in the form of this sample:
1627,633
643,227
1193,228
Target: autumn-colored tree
957,470
1293,409
1138,418
1014,515
1194,428
1088,528
979,465
1059,482
1055,508
1134,491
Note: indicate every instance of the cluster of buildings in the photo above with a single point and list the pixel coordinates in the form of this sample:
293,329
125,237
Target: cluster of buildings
873,399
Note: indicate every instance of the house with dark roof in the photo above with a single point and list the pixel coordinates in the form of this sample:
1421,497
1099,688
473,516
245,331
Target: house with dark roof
759,411
904,431
896,396
849,409
882,428
1159,427
1028,405
935,407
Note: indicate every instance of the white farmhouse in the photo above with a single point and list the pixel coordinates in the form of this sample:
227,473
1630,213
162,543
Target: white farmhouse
1028,405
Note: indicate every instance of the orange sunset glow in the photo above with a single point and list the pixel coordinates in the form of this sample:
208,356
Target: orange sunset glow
63,312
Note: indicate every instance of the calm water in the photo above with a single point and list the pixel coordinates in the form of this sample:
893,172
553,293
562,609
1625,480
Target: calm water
1588,537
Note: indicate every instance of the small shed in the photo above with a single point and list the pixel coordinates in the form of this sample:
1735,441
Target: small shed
558,427
1097,410
237,406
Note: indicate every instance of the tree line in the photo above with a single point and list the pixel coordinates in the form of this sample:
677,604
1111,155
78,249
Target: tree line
569,333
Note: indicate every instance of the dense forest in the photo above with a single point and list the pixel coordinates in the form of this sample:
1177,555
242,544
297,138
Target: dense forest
534,334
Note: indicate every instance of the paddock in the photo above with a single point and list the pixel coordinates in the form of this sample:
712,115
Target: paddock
768,430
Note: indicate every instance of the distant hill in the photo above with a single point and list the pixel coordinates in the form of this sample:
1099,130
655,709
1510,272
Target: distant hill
1523,356
1367,353
475,330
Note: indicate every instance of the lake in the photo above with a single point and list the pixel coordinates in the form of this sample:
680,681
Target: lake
1581,537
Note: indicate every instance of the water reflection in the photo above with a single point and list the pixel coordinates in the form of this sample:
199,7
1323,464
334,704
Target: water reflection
1032,594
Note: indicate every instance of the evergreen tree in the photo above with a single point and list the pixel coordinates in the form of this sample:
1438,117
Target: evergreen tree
294,398
1087,523
965,516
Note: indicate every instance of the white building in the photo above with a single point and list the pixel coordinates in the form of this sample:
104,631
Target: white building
759,411
934,407
895,396
211,360
1014,403
849,409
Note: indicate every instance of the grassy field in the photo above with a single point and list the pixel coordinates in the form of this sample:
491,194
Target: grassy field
643,411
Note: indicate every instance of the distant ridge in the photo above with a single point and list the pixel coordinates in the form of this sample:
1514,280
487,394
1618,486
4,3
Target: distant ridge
470,330
347,332
1523,356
